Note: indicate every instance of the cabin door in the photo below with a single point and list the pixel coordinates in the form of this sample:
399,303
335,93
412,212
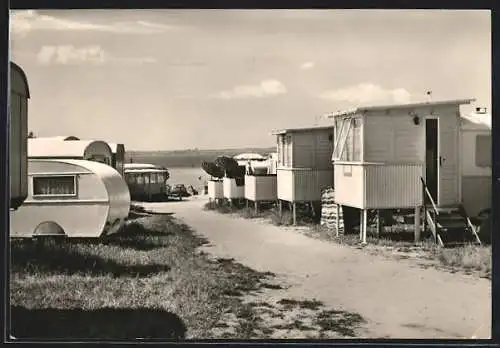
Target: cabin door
449,170
431,158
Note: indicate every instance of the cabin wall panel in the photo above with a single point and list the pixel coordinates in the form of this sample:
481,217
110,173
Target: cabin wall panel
261,188
324,150
379,139
285,184
468,155
231,190
303,150
215,189
476,193
348,184
409,139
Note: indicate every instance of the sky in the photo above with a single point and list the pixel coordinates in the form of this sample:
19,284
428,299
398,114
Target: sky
184,79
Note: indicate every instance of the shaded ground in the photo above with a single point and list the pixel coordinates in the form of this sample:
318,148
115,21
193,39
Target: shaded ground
152,281
397,298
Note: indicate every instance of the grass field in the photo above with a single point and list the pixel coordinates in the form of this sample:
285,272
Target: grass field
152,281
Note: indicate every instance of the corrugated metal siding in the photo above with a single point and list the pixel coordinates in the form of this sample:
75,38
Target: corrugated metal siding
393,186
231,191
285,184
448,150
308,183
348,184
261,188
476,193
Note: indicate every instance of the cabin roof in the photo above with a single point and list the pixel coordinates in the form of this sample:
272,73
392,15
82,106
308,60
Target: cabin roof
476,121
21,73
301,130
361,109
54,148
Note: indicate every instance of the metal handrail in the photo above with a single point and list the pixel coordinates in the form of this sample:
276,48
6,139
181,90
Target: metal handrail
427,192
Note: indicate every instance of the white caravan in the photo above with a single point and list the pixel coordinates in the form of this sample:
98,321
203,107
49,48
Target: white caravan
72,198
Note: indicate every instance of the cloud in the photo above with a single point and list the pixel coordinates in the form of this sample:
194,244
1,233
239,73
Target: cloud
24,21
307,65
266,88
364,93
68,54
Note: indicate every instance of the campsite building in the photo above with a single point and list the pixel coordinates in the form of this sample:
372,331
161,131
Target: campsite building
404,157
304,166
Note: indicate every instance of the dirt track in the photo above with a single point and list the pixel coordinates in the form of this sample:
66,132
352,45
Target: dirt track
396,297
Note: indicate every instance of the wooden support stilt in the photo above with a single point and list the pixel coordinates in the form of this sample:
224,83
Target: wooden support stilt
280,207
337,220
365,225
294,213
248,203
256,207
361,225
379,224
417,224
313,211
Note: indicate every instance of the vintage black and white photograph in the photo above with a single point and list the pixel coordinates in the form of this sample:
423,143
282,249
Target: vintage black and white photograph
184,174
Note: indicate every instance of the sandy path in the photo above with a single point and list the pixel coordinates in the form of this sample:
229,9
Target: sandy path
398,299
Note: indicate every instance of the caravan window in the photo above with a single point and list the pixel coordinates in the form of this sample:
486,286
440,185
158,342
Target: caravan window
483,150
54,185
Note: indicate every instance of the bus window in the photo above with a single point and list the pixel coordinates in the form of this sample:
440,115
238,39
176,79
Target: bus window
154,178
140,179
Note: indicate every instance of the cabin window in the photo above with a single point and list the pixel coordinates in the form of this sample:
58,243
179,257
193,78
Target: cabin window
348,140
483,150
287,160
54,185
160,178
147,178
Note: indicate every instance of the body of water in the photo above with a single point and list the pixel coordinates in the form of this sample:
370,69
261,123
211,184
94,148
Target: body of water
187,176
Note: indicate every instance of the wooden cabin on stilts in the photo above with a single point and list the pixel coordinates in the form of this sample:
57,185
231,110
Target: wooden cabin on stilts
304,166
404,157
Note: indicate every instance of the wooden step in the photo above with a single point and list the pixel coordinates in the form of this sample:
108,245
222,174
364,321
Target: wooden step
444,209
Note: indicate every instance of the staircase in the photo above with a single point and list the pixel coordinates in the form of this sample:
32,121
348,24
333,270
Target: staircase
449,225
